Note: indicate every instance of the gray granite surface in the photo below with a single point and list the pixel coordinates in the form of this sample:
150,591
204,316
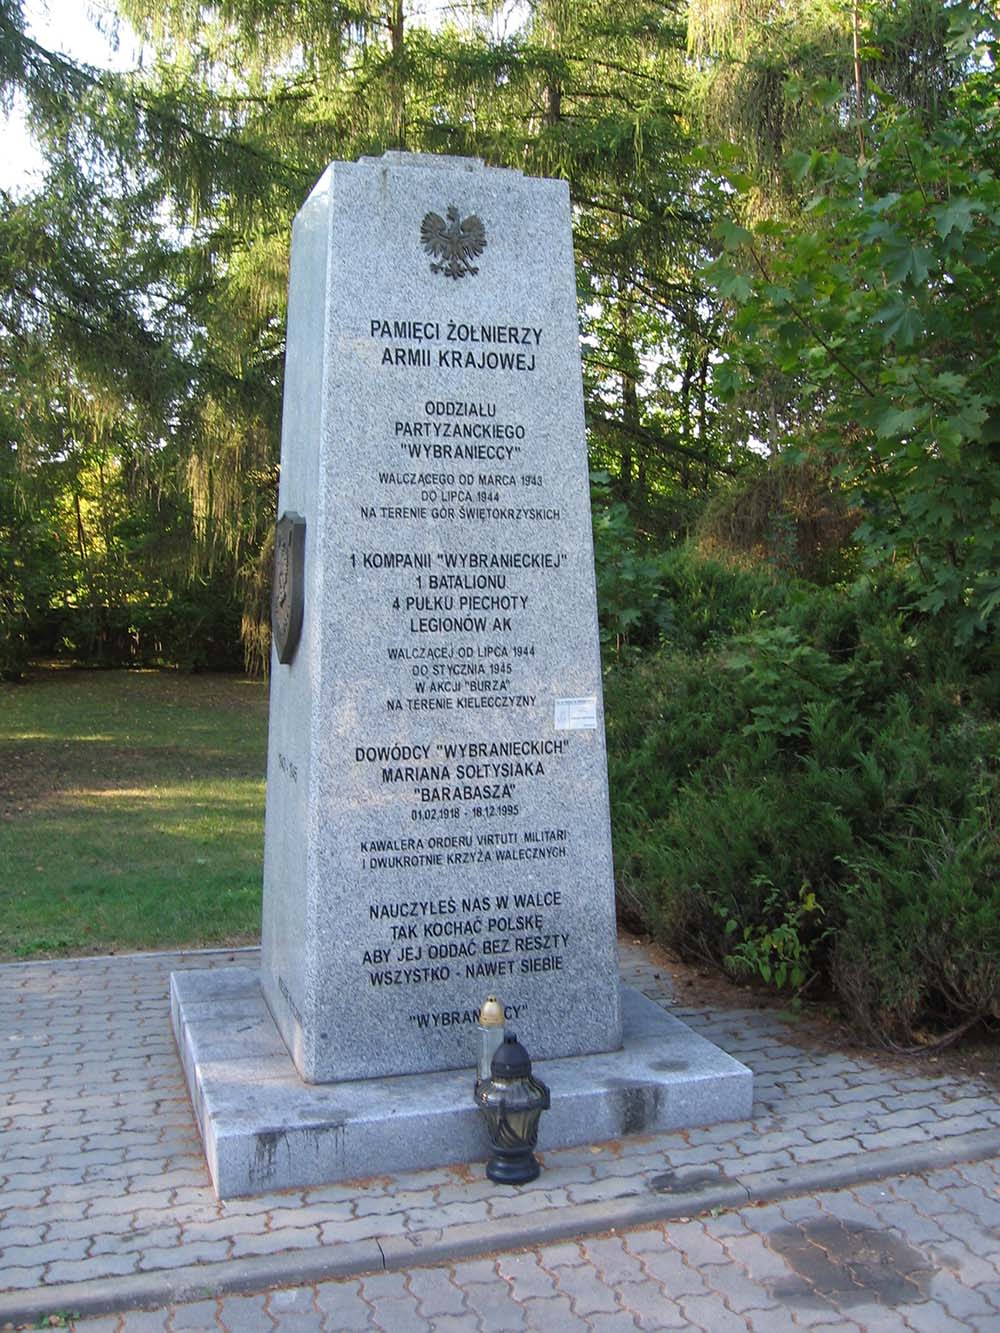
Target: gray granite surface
437,821
264,1129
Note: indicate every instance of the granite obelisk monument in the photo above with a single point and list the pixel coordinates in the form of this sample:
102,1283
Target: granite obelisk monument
437,811
445,832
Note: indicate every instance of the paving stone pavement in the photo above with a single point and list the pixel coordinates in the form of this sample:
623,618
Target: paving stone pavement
868,1259
104,1194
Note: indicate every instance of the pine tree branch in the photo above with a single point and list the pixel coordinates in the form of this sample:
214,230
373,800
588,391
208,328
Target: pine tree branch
609,427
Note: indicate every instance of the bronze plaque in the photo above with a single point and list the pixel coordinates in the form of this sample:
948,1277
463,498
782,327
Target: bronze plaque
287,594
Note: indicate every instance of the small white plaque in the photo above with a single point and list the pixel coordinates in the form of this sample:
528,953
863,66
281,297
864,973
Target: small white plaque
576,714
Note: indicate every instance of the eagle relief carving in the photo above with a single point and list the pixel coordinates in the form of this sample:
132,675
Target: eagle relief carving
453,244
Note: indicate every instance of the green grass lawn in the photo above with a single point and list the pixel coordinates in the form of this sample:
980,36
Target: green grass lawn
131,811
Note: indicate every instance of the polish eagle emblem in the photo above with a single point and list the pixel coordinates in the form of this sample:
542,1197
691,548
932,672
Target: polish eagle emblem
453,244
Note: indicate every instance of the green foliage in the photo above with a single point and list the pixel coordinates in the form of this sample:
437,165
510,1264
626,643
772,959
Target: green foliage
784,786
196,630
921,921
775,77
804,778
31,568
779,954
143,306
788,514
629,576
648,596
781,679
880,308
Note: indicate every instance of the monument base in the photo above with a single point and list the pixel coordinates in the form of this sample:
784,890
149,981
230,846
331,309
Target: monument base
264,1129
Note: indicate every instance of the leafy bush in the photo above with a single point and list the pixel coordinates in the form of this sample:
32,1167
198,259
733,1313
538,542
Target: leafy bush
921,921
629,577
648,597
197,630
809,793
30,567
790,515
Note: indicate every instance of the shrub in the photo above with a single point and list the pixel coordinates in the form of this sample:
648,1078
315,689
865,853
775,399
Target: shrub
812,798
920,936
197,629
647,597
791,516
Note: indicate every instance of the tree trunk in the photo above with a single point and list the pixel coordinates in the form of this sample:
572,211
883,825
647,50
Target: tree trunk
630,398
858,100
398,79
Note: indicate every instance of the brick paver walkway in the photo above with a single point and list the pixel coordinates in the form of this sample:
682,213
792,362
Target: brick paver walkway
920,1253
103,1188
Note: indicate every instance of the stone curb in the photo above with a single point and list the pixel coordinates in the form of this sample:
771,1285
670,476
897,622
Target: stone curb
115,1295
60,963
